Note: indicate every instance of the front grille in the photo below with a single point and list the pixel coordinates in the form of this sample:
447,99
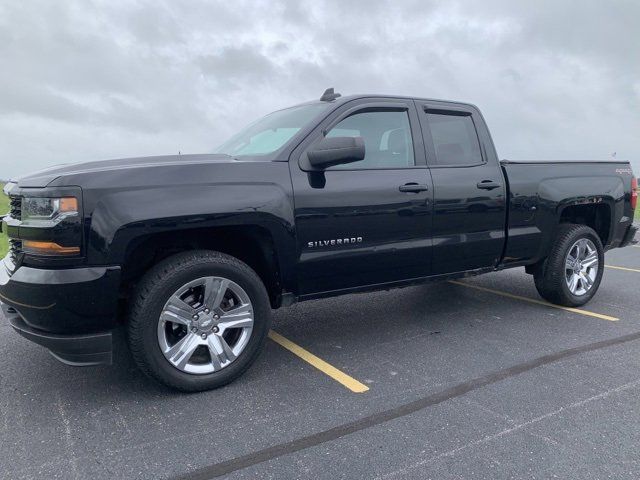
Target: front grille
15,245
16,207
15,249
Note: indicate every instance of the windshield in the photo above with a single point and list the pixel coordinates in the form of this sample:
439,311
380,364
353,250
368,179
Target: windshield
271,132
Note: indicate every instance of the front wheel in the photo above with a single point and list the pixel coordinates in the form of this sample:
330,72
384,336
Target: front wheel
198,320
571,274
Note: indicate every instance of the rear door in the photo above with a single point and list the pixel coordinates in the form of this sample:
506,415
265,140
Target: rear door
469,189
367,222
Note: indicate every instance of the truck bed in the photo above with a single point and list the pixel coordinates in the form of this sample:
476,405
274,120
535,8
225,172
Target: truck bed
539,190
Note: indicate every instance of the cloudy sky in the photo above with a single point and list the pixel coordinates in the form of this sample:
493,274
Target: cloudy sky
86,80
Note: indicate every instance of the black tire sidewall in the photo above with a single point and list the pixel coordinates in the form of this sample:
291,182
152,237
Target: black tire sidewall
156,298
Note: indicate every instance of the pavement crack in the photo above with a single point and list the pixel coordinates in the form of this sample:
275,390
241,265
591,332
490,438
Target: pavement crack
513,429
274,451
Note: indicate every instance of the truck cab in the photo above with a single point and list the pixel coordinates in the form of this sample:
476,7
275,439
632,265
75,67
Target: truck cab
428,198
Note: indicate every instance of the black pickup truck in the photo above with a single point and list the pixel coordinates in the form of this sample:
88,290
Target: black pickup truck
336,196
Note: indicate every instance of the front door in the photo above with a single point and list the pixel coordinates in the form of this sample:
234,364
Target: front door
367,222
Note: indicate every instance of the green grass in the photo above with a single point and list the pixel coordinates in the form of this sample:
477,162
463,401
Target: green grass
4,209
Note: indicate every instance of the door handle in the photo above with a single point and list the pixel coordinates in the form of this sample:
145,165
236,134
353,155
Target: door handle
413,187
488,185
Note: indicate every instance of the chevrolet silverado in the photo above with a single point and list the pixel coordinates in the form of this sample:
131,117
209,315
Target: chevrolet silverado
341,195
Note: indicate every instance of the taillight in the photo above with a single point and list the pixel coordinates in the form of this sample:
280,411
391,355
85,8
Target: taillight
634,192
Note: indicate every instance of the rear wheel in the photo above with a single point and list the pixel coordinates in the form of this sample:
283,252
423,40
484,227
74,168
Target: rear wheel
572,272
198,321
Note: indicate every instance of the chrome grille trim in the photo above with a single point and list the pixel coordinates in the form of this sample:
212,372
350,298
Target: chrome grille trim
15,249
15,203
15,245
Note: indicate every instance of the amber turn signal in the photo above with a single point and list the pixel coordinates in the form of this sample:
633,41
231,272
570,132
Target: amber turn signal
48,248
68,204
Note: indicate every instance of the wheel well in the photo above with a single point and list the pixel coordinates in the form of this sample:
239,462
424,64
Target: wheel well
597,217
250,244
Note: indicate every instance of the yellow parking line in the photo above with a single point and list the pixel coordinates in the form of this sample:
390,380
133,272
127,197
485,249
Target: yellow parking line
339,376
538,302
624,268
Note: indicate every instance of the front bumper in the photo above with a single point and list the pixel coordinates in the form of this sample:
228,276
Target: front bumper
70,311
75,350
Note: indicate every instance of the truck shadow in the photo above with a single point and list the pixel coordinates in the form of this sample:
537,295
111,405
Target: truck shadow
361,318
412,309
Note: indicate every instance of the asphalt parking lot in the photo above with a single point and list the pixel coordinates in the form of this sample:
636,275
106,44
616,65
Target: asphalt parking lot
442,381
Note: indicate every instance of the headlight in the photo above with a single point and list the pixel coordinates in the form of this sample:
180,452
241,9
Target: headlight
50,226
40,208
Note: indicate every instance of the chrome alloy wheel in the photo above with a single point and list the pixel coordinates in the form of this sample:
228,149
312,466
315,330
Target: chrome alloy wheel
205,325
581,266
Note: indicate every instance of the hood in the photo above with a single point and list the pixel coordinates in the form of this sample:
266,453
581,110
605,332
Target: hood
43,178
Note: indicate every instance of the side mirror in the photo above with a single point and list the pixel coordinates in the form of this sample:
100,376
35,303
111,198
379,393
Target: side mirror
332,151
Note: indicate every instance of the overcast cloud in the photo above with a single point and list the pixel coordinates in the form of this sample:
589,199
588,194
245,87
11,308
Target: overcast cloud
85,80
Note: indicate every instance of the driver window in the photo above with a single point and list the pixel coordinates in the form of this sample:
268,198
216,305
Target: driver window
387,139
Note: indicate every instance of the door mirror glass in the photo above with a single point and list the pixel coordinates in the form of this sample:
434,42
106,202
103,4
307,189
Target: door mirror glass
332,151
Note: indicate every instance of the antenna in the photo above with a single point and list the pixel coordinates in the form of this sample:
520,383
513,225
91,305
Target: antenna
329,95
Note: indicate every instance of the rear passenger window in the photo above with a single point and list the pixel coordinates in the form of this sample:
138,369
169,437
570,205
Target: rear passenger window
454,139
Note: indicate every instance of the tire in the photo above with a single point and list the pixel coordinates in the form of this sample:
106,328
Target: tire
159,316
552,278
